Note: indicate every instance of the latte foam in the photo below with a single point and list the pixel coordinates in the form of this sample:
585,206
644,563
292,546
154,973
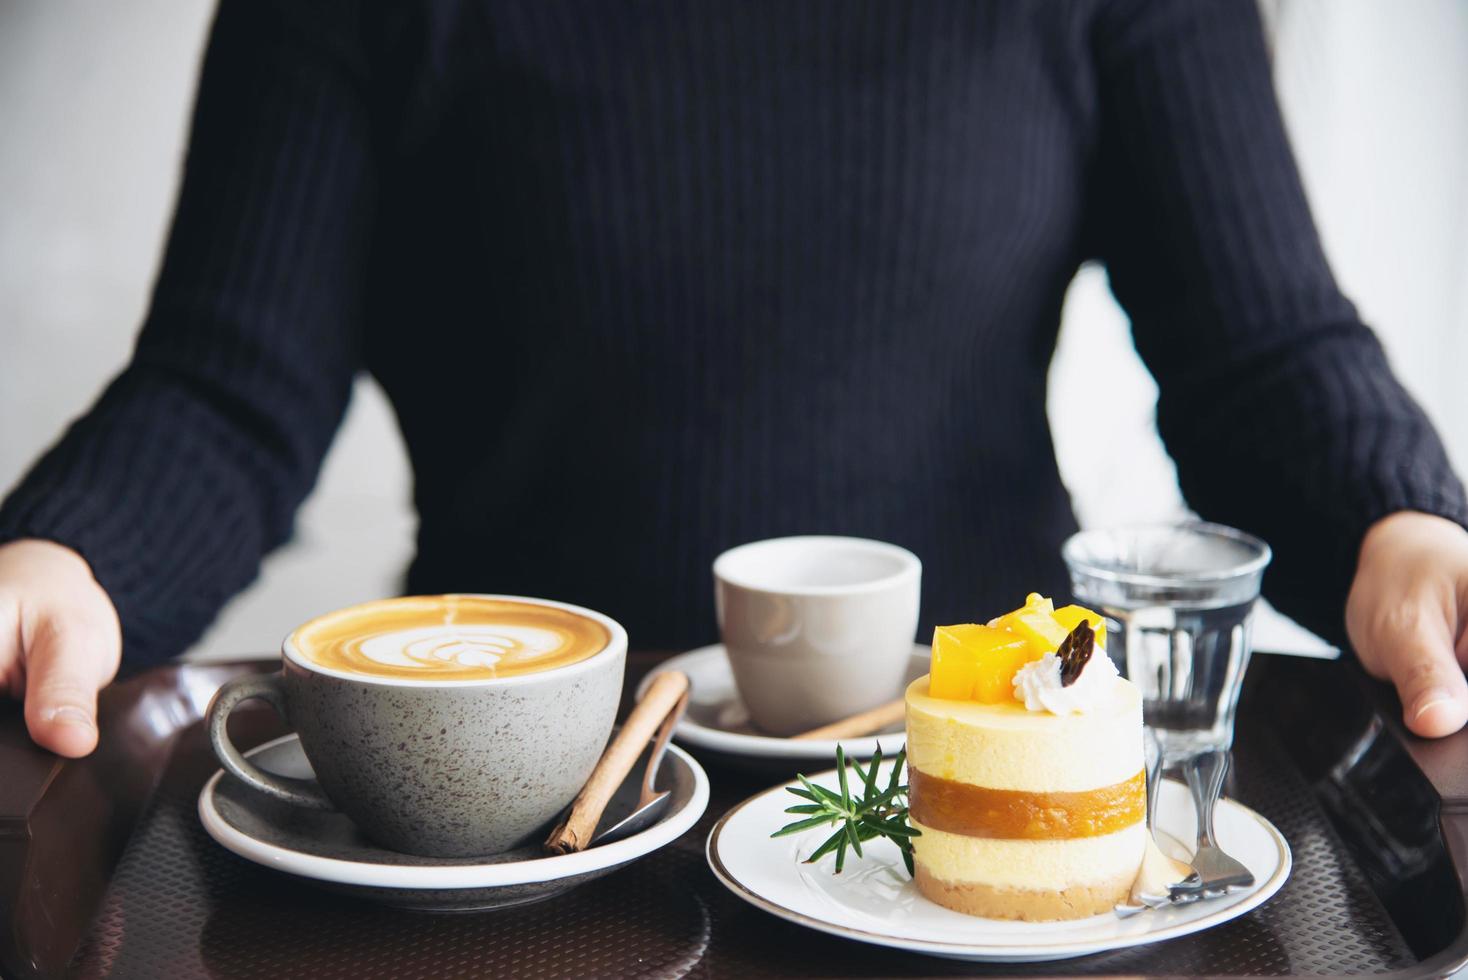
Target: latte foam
450,637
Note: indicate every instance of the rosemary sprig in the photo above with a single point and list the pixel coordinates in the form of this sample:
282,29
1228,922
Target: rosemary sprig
877,811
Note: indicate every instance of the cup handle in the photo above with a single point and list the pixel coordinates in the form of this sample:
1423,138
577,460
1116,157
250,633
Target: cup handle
270,689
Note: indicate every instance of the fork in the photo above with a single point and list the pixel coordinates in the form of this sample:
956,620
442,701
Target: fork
1215,871
1141,901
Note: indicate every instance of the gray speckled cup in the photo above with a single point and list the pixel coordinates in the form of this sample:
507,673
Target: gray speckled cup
438,768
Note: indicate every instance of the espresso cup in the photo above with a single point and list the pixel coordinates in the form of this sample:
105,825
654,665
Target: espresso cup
816,628
446,726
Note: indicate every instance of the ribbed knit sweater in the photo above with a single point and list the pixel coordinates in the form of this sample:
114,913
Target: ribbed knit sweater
647,280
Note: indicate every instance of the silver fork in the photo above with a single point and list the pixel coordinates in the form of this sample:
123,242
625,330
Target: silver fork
1214,870
1141,901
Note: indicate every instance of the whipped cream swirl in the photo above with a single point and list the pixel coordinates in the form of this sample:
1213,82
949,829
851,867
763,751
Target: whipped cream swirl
1038,685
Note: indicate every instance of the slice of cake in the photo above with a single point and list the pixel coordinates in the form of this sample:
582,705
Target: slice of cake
1026,768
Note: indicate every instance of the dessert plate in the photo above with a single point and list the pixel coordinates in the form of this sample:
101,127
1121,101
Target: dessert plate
327,848
717,720
874,901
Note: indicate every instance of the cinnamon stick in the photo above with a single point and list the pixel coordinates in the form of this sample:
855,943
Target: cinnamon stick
662,696
865,723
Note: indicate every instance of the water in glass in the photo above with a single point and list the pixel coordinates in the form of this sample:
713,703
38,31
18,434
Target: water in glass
1181,600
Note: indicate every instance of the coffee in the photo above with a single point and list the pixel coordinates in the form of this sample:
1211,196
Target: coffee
449,637
447,726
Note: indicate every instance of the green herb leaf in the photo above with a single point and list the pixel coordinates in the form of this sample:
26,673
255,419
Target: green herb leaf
892,828
805,808
822,794
897,766
800,825
876,812
870,776
838,839
841,774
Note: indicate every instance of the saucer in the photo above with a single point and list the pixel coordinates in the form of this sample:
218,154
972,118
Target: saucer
327,848
874,901
718,721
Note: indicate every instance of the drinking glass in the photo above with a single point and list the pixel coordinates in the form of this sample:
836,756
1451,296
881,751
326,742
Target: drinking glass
1181,599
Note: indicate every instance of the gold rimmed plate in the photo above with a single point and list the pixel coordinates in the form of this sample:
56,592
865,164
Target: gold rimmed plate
874,901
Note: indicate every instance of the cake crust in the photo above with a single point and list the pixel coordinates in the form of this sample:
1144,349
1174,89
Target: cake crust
1077,901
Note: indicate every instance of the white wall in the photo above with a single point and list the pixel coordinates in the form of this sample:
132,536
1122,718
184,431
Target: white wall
1376,95
94,105
1376,99
93,110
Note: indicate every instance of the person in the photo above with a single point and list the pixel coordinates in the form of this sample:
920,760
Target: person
643,282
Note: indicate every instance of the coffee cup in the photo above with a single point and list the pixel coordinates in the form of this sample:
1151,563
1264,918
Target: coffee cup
816,627
445,726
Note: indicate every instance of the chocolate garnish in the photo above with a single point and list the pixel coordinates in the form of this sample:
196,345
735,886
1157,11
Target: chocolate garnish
1076,652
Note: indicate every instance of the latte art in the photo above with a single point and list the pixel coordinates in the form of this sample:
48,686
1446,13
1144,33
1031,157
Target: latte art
430,647
450,637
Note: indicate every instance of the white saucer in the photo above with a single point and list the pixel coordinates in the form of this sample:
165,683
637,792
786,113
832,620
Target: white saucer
717,720
874,901
328,848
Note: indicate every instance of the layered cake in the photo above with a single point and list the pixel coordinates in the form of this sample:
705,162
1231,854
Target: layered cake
1026,768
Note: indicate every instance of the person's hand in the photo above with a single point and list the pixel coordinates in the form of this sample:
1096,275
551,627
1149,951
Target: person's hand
1407,616
60,642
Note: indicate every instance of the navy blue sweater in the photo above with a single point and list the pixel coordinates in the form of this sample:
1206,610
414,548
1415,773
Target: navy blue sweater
644,280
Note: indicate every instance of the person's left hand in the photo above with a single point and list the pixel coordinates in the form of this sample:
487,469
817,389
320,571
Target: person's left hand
1407,616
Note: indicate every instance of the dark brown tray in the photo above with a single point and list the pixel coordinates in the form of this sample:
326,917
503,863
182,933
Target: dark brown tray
105,870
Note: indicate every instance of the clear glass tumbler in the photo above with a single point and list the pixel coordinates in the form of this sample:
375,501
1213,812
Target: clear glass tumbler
1181,599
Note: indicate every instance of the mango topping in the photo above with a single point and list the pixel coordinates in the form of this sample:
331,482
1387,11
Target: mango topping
1069,617
972,662
976,663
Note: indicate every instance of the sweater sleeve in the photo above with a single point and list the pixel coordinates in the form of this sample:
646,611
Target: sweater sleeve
192,462
1276,402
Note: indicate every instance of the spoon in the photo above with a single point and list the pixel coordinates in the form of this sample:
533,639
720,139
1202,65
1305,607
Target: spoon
653,718
651,804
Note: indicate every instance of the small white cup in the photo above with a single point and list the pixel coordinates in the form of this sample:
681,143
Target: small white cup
817,628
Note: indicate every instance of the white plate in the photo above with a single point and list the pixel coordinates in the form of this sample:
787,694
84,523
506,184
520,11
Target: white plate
716,719
874,901
327,847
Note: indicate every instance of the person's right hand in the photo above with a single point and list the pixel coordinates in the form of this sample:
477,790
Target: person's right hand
60,642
